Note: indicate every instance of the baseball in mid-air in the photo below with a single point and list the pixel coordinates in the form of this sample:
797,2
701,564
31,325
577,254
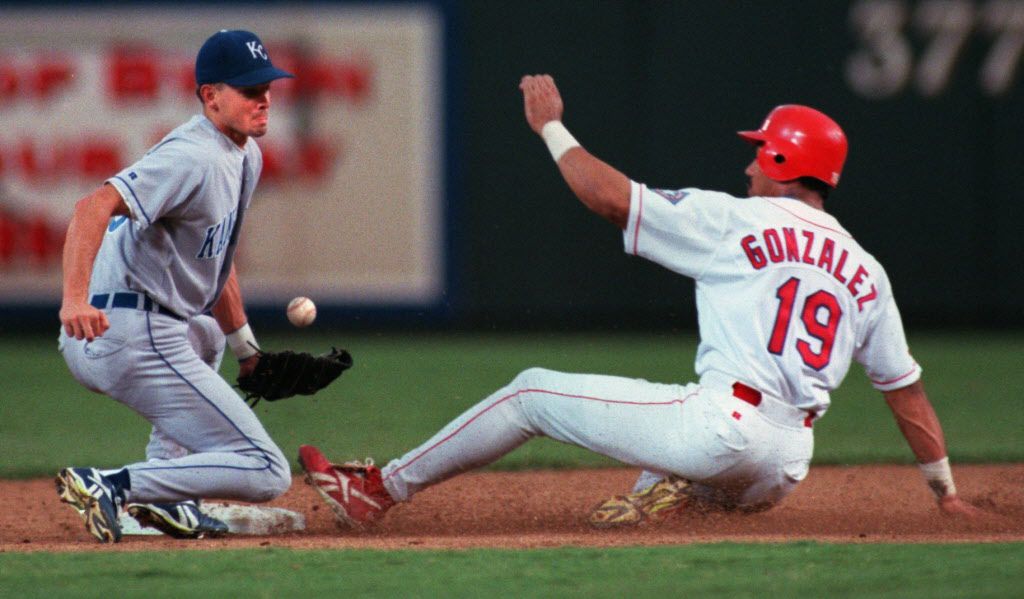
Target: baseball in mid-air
301,311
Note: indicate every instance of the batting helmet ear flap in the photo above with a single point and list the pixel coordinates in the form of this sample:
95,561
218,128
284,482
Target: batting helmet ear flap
798,141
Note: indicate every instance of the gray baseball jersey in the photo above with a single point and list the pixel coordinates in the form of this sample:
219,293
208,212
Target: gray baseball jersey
155,274
182,267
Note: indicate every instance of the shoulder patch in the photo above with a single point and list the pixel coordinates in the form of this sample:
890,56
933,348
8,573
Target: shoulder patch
116,222
674,196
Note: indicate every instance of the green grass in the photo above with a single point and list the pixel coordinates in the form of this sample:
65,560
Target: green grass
403,388
708,570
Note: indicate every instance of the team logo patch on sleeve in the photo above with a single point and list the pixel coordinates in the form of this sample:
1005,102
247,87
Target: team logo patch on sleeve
674,196
116,222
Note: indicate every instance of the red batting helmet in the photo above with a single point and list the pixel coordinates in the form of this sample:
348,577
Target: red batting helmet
798,141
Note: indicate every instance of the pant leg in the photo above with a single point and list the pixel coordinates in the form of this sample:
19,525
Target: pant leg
146,362
646,479
162,447
665,428
775,456
208,341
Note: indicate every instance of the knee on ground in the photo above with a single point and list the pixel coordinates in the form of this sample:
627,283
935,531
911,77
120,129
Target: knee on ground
274,481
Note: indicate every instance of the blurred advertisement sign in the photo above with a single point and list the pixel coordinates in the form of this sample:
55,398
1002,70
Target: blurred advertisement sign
351,207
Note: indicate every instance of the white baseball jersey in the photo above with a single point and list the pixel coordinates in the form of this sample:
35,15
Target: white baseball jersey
785,296
786,299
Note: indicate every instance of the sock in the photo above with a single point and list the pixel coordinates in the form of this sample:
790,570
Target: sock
121,479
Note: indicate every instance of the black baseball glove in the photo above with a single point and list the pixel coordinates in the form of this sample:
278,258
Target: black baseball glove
279,375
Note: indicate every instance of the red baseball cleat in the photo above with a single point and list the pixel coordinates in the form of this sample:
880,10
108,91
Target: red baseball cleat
354,490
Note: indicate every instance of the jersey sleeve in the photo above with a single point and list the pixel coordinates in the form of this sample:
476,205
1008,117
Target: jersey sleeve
159,182
680,230
884,352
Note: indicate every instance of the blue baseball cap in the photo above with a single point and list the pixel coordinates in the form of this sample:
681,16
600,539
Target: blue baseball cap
237,58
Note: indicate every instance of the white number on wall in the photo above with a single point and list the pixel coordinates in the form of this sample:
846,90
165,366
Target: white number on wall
885,64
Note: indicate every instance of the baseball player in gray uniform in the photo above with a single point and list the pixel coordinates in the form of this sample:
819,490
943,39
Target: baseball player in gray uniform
786,299
147,255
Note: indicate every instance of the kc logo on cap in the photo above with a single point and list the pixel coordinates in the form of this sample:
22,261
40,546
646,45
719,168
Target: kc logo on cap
257,49
237,58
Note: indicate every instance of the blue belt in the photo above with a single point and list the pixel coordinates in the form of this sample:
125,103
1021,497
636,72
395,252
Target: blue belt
128,299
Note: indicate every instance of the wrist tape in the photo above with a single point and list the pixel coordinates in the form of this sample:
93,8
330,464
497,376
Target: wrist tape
939,477
243,342
558,139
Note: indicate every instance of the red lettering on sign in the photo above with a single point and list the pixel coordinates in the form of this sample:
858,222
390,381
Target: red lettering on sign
32,238
316,158
27,160
185,80
99,159
7,233
355,82
273,169
51,76
47,162
8,82
133,74
324,76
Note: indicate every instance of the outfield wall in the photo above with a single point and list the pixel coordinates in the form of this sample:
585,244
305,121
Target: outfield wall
483,233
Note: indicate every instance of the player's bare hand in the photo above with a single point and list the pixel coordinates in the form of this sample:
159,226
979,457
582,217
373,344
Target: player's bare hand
83,321
952,505
541,100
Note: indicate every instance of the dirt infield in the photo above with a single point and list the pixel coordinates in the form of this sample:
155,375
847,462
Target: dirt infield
880,504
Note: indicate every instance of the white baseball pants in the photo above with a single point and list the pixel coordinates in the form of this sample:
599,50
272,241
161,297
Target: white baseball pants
706,435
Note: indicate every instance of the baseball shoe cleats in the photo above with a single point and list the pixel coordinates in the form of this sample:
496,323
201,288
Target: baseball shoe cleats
182,520
656,502
354,490
96,498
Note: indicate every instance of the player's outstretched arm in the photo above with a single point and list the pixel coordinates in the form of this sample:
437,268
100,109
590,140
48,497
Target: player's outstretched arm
229,311
81,244
920,426
600,187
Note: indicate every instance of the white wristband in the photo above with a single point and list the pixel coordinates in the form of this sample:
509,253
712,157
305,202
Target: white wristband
558,139
939,477
243,343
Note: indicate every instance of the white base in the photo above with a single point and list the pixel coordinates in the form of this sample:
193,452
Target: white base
129,526
241,520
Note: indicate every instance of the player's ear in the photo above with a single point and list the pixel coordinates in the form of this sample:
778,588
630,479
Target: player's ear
208,94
